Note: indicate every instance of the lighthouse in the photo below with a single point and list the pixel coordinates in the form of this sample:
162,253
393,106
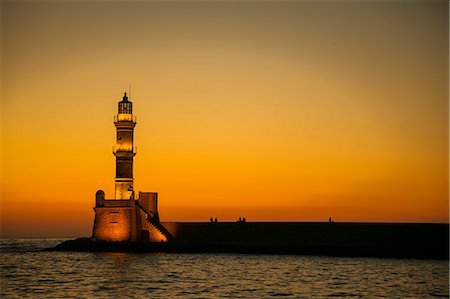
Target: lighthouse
125,217
124,150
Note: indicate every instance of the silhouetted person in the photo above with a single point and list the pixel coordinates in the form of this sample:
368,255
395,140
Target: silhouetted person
210,219
243,219
330,220
215,220
239,219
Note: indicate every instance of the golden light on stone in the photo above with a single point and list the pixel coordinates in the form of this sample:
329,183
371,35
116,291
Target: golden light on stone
126,218
125,117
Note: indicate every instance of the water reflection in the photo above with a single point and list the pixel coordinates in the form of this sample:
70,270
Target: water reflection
119,275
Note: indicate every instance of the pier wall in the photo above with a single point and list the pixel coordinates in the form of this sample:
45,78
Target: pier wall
365,239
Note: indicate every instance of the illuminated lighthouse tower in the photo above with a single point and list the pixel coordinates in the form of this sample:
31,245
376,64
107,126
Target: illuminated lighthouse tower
124,150
125,217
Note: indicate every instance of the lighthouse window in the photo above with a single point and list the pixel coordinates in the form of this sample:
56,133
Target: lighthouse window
125,107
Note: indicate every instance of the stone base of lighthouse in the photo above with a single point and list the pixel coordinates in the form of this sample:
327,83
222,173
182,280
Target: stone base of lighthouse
128,220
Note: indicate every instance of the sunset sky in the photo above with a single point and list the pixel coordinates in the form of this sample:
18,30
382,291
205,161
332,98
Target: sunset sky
273,111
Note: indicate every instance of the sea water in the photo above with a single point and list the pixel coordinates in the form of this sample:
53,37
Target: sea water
28,272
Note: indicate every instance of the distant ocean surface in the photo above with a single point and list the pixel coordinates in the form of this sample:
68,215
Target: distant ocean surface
27,272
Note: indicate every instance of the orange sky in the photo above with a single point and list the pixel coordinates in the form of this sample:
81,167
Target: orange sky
276,111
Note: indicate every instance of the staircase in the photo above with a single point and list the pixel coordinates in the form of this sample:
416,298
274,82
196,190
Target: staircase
154,221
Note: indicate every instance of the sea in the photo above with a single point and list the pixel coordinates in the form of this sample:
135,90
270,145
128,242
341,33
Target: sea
29,272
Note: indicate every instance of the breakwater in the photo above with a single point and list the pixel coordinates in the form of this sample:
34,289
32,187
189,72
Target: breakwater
399,240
